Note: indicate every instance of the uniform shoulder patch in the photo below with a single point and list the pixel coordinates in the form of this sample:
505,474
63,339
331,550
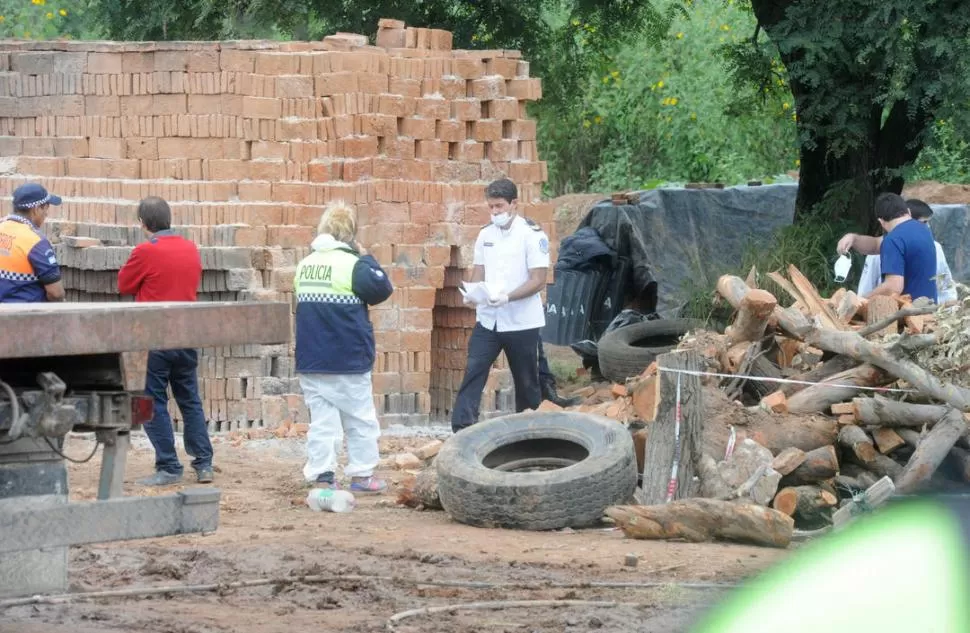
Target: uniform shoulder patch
532,224
544,245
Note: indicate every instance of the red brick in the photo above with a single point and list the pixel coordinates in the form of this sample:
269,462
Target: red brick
487,130
225,169
469,151
358,146
345,125
261,108
405,87
203,61
417,319
418,128
265,169
104,63
433,108
255,192
372,83
174,147
488,88
85,167
431,150
169,104
378,124
358,169
135,62
289,129
421,298
122,169
454,170
504,66
387,212
441,40
468,67
269,149
234,60
396,105
141,148
171,61
335,83
384,382
520,130
523,171
325,170
102,106
106,147
276,64
384,319
290,236
294,87
390,38
407,255
136,105
502,151
415,382
525,89
466,109
205,104
450,130
503,109
400,147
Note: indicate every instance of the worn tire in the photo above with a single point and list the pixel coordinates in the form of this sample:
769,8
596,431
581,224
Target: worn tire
627,351
572,496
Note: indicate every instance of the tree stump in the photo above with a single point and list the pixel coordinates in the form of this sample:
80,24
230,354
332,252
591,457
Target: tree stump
662,447
810,506
882,307
756,308
819,465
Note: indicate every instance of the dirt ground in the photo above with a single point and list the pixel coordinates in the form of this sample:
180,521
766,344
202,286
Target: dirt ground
266,531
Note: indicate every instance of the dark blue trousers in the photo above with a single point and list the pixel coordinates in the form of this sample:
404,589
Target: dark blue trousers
179,368
521,349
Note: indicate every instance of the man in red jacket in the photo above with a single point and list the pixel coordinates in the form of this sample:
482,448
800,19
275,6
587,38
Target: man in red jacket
168,268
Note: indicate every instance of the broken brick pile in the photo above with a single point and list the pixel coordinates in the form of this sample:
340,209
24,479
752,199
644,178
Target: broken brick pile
247,141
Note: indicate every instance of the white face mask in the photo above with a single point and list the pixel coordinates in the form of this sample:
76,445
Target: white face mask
501,219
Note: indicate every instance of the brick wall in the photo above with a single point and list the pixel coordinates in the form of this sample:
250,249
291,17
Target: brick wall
247,141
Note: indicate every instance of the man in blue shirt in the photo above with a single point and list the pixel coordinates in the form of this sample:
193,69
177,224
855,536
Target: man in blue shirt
907,252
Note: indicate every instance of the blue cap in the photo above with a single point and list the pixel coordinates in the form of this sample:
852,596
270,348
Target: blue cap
32,195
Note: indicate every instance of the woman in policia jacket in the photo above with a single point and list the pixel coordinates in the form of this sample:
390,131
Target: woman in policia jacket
335,350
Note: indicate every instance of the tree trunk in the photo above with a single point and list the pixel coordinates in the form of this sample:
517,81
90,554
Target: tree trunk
880,308
776,433
788,460
819,465
755,309
829,368
662,448
881,411
820,397
421,491
875,496
701,520
931,452
810,506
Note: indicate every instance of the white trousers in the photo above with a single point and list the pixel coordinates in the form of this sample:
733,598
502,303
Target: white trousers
339,404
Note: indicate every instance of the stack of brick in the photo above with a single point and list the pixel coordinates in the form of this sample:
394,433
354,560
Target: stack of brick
247,141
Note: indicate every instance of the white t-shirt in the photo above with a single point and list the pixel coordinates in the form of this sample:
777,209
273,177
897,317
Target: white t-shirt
507,256
872,277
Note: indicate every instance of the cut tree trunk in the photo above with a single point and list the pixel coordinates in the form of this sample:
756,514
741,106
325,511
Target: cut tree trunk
848,306
863,478
851,344
829,368
875,495
756,308
819,465
931,452
733,289
788,460
880,308
421,491
881,411
887,440
815,303
662,448
776,433
808,505
701,520
838,388
862,451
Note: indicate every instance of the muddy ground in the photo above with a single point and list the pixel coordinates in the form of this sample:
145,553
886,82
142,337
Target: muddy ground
266,531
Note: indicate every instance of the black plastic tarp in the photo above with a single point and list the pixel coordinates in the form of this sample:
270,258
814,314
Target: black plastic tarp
951,228
679,237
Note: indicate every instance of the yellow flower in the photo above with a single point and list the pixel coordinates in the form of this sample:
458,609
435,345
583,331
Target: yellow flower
615,74
680,35
606,79
2,18
63,13
597,119
693,116
798,163
660,84
794,117
40,2
725,27
785,106
673,101
575,22
586,123
50,15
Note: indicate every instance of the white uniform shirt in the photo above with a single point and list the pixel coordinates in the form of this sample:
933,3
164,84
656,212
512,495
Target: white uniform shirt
872,277
507,256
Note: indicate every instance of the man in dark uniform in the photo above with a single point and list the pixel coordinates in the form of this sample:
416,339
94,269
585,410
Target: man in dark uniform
29,272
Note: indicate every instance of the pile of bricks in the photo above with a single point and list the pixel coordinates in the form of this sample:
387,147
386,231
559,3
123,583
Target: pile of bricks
247,141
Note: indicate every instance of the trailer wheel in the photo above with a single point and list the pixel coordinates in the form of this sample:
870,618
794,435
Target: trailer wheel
627,351
536,471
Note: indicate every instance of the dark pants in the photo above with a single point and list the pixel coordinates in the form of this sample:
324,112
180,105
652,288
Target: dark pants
521,349
178,367
545,374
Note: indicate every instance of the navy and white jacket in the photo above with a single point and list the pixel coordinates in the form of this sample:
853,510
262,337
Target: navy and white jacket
334,285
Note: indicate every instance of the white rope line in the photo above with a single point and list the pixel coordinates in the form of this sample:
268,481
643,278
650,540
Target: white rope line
784,381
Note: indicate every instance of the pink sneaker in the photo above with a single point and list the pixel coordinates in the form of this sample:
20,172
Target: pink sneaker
367,485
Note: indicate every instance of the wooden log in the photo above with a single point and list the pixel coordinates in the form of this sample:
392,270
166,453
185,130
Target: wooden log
776,433
881,411
808,505
662,446
421,491
787,349
733,289
851,344
875,496
848,307
862,478
911,437
819,465
894,318
733,359
931,452
838,388
829,368
754,311
887,440
836,298
858,443
700,520
880,308
813,300
788,460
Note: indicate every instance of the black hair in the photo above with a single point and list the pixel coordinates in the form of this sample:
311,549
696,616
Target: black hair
155,214
919,209
502,188
890,206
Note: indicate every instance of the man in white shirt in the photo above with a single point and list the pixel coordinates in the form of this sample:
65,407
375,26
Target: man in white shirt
871,275
512,258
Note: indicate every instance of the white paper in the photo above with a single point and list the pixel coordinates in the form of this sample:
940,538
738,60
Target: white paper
478,292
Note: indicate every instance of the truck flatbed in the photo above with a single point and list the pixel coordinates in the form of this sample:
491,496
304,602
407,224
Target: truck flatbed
70,329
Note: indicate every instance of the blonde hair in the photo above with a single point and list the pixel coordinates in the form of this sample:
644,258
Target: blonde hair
339,219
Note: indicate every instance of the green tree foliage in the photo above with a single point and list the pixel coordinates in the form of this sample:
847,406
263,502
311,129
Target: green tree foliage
44,19
868,78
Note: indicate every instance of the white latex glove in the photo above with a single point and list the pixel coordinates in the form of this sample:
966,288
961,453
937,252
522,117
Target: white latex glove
845,244
466,301
498,300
